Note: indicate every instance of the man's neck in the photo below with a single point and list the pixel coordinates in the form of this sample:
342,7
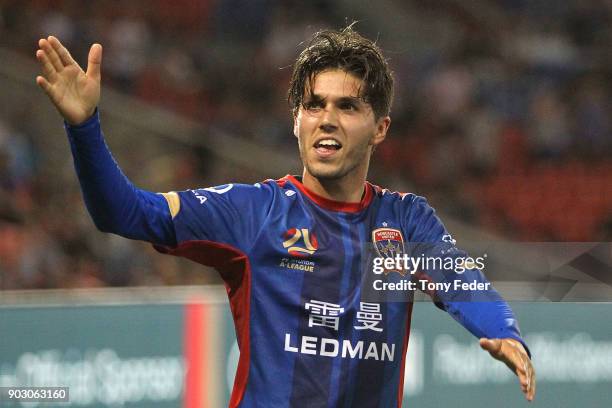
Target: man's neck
347,189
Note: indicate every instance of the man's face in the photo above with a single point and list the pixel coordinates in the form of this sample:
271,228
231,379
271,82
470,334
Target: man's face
336,129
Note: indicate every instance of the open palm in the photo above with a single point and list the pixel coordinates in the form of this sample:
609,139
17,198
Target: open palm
74,92
514,355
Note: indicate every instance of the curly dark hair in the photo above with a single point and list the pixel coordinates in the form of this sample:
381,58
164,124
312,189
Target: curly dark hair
349,51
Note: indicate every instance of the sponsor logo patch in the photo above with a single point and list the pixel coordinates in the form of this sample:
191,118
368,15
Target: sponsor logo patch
300,242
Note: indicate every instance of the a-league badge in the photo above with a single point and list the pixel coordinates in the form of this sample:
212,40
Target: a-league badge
389,243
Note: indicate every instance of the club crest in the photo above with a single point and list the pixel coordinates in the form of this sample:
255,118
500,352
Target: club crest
388,243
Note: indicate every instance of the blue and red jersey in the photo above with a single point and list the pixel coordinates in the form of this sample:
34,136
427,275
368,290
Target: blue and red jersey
293,265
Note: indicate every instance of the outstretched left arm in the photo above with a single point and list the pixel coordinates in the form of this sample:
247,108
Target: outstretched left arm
484,313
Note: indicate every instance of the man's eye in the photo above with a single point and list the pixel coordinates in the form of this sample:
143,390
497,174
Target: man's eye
347,106
313,105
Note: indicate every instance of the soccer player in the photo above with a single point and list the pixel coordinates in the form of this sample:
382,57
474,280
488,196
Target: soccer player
290,251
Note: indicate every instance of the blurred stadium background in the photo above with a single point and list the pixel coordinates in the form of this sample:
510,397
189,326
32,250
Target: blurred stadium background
502,118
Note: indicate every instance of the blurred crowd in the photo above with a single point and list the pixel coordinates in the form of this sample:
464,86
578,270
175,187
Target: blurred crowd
502,116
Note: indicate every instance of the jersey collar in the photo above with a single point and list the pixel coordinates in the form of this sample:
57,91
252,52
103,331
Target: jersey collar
332,204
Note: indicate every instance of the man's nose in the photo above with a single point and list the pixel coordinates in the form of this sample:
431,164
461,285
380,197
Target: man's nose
328,121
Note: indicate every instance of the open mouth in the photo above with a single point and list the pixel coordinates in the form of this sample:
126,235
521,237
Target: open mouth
327,147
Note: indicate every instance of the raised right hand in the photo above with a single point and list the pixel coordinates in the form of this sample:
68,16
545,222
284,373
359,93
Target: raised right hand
74,92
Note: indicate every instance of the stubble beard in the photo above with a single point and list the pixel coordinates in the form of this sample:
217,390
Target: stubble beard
325,174
332,172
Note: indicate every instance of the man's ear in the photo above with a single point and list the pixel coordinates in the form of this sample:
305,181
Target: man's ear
382,126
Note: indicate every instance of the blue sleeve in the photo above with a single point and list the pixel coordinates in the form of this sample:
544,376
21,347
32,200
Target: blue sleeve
230,214
483,313
113,202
